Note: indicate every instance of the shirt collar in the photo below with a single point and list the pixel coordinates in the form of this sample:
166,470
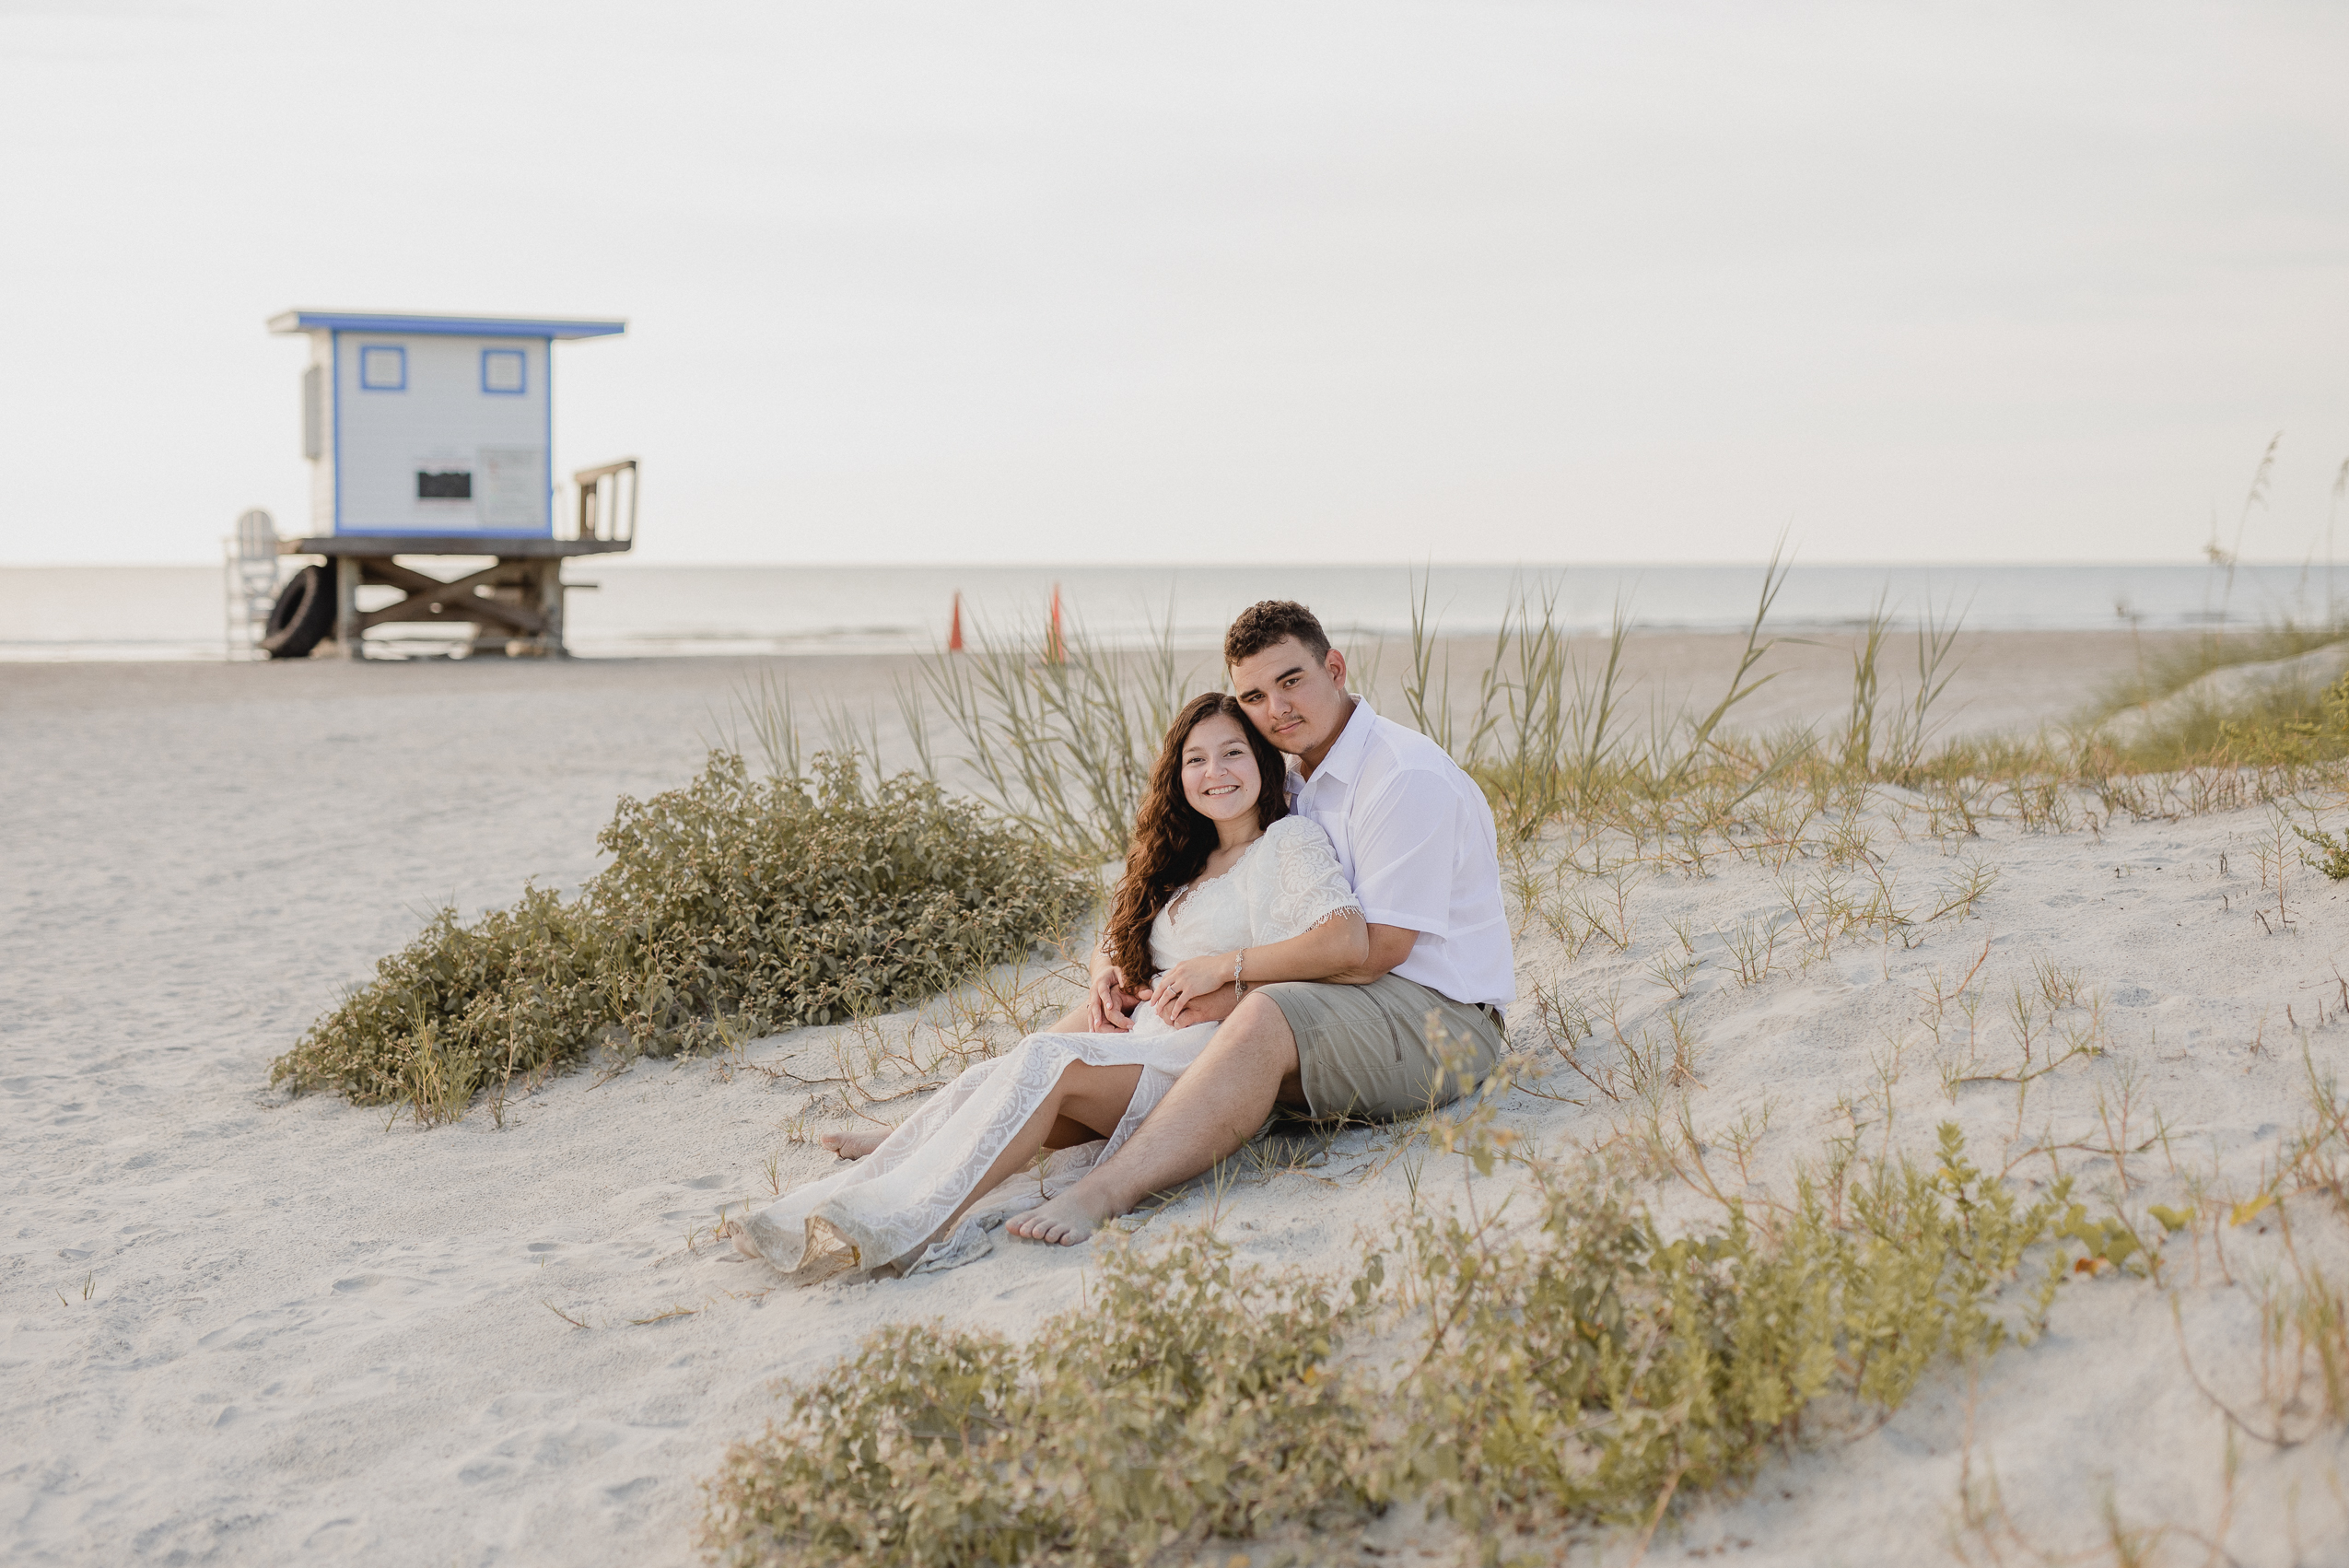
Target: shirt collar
1344,760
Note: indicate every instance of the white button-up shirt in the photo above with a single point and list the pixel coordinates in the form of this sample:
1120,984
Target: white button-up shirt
1414,834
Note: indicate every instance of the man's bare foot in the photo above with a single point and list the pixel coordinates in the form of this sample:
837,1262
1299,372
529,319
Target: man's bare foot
853,1145
1065,1221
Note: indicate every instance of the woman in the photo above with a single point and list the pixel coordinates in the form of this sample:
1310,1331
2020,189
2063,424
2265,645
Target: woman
1220,882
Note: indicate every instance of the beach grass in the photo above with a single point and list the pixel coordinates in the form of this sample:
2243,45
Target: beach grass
1559,737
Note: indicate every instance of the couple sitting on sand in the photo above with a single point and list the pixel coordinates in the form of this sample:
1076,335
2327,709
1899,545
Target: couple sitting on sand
1328,937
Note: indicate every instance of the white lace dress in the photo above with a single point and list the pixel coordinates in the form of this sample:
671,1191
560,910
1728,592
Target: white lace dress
884,1208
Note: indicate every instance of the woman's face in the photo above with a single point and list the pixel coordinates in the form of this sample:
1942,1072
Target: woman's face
1220,775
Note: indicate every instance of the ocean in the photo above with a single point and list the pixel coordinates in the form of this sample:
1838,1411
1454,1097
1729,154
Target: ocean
634,611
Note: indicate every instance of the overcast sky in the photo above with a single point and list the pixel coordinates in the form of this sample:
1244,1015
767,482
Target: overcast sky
1109,281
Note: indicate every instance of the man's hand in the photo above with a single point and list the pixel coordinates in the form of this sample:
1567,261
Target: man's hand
1108,1002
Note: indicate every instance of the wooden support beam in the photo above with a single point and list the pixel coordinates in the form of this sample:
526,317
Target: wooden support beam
430,600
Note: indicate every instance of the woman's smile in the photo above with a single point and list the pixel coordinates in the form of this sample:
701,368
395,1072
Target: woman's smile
1220,778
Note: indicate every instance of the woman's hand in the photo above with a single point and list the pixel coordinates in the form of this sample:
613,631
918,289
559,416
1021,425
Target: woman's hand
1191,979
1108,1001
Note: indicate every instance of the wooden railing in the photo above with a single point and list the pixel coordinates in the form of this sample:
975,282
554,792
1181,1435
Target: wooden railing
608,502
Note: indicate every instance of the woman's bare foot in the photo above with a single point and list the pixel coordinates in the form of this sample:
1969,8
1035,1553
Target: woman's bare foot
1065,1221
737,1233
853,1145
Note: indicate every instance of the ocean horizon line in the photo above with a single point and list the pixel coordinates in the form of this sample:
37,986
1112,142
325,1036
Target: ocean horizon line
1797,562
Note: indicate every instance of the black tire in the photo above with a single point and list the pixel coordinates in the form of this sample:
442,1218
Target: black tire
304,613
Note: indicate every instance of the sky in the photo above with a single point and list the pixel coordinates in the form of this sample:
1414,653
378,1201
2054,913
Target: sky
1098,282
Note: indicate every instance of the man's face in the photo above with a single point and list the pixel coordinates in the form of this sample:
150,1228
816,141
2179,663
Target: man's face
1297,701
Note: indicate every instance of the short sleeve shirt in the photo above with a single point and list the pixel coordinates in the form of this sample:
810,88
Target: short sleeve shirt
1415,837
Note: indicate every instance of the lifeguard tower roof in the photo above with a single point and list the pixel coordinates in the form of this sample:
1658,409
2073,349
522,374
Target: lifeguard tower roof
441,326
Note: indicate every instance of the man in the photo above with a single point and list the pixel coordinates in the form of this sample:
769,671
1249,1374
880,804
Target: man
1417,1025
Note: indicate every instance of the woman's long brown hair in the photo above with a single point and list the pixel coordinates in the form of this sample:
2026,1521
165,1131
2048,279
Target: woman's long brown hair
1172,839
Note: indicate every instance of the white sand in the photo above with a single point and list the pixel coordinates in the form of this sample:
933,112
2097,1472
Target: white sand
307,1335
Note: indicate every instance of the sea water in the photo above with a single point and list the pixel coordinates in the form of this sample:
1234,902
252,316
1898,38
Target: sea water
625,610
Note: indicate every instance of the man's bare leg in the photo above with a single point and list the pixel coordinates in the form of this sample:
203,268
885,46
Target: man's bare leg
1214,1107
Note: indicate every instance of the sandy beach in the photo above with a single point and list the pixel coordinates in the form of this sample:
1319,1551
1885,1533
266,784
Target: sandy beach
240,1327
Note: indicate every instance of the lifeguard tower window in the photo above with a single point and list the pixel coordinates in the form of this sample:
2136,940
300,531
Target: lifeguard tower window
505,371
383,368
455,486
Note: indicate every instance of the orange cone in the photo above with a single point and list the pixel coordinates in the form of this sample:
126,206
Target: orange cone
1054,651
954,631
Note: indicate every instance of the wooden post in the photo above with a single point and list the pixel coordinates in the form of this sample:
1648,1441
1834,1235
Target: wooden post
533,585
348,570
549,573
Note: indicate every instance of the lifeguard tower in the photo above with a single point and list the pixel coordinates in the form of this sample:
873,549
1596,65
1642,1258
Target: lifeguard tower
433,436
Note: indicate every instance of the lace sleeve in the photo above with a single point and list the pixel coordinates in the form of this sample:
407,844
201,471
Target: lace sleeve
1302,885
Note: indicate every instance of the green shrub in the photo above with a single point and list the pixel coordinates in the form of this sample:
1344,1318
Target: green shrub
1190,1399
2333,858
1592,1367
1581,1367
731,904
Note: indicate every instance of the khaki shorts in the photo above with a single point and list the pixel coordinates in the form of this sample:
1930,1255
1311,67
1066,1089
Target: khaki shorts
1385,1049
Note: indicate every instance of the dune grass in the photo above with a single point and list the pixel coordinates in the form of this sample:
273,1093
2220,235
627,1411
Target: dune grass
1560,737
731,908
2157,676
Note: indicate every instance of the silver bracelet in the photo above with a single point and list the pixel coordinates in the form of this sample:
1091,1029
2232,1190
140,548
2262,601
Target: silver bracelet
1239,962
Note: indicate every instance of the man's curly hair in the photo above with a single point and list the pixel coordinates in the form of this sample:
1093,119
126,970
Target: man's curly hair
1266,622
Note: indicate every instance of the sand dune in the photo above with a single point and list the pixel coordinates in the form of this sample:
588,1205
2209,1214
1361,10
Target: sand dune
243,1328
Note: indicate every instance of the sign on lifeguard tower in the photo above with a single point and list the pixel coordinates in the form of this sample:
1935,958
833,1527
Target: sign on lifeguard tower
435,435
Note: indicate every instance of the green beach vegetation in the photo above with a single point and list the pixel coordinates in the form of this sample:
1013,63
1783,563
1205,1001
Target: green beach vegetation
731,908
1560,1359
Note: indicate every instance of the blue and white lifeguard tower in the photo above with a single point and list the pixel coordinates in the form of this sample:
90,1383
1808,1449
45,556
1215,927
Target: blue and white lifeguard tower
433,436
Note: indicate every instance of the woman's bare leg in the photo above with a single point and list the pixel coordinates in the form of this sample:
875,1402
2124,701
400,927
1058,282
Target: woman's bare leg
1067,1134
1087,1103
858,1142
